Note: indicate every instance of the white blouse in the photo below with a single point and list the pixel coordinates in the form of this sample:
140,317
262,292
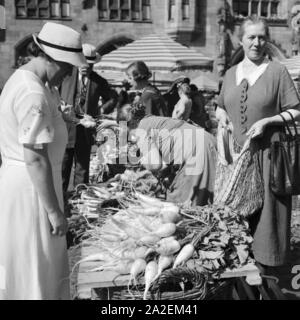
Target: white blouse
254,75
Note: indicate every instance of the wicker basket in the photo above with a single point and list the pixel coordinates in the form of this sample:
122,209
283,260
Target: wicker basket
173,284
219,290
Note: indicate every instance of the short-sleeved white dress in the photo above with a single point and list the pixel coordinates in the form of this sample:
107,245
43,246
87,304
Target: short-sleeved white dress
33,262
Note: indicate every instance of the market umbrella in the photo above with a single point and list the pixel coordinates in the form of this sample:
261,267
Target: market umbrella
159,52
206,82
293,66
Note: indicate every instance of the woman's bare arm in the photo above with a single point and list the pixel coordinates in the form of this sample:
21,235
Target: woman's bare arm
258,127
40,172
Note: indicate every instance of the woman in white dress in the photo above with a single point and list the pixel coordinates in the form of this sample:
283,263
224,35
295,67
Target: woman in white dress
33,137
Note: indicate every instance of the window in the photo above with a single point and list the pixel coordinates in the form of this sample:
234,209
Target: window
42,9
264,11
54,9
262,8
185,9
240,8
124,10
172,9
254,9
136,9
114,11
198,12
274,9
146,10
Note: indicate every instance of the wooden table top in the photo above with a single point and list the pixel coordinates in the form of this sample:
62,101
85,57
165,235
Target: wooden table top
86,280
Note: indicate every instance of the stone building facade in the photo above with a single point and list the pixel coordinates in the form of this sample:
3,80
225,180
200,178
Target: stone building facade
109,24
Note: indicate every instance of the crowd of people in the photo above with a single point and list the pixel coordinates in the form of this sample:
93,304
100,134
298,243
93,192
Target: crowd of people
49,111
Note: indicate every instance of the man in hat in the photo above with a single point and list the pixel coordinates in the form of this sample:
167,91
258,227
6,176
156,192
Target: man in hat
82,90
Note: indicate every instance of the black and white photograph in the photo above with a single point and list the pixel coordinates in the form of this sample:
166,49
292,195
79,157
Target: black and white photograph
149,153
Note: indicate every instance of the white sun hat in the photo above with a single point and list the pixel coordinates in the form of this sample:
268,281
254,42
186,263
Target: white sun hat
90,53
61,43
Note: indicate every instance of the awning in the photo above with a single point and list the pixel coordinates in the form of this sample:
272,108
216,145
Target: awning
159,52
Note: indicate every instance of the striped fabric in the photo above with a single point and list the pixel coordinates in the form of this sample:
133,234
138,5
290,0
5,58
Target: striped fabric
293,66
206,82
159,52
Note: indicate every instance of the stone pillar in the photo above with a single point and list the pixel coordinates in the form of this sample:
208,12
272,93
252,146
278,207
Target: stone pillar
224,45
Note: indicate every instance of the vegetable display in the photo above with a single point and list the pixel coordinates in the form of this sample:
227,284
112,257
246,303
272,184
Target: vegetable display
152,241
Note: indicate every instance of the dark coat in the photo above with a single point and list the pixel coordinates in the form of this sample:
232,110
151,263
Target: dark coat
96,87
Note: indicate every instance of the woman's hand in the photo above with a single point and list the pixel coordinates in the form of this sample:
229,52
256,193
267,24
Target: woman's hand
59,224
87,122
223,119
107,124
258,128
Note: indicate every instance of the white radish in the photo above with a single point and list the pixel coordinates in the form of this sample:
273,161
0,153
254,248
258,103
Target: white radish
135,254
184,255
141,252
166,240
165,230
138,266
149,240
121,268
170,214
145,223
132,232
163,263
150,274
167,248
149,200
103,256
110,238
148,211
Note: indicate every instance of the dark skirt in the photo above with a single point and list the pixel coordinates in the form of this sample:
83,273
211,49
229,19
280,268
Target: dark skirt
271,226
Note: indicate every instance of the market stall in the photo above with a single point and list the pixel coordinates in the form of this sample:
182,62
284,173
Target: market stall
146,248
135,245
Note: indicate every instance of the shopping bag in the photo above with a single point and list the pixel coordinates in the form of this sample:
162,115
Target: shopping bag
285,162
239,182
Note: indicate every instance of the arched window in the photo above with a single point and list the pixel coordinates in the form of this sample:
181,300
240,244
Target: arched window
42,9
124,10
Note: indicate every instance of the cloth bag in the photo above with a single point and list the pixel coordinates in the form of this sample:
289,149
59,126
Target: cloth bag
239,182
285,162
